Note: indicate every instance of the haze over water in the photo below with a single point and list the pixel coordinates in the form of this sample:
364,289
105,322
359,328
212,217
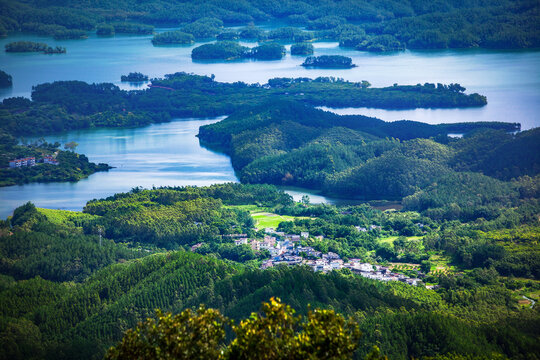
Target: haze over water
170,154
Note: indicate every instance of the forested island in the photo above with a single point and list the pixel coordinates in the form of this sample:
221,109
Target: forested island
114,257
69,105
329,62
364,25
134,77
302,48
30,46
46,162
231,50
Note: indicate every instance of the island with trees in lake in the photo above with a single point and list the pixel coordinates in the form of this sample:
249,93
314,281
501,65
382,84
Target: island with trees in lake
329,62
134,77
231,50
302,48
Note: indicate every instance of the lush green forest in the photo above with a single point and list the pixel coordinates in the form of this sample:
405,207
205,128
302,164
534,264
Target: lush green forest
366,158
366,25
71,166
68,105
66,293
436,256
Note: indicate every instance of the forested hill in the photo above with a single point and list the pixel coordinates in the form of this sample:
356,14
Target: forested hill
355,156
387,25
67,105
67,293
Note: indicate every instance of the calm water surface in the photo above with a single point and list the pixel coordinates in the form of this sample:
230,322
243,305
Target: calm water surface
170,154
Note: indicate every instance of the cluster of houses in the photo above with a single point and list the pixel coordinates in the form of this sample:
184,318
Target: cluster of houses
28,161
288,251
31,161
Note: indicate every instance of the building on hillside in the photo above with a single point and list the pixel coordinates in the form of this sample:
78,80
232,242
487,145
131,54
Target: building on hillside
49,159
27,161
241,241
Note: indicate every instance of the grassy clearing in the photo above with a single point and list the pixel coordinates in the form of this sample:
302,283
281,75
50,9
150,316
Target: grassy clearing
269,220
391,239
263,217
65,216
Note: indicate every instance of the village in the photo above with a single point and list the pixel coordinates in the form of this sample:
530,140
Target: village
285,249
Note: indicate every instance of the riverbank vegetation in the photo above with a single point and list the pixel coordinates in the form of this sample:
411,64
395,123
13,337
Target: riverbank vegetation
95,281
30,46
365,25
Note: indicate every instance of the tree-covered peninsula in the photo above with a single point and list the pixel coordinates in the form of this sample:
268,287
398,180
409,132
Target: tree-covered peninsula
68,105
42,162
360,157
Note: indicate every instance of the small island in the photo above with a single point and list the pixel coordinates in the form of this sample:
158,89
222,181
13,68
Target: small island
268,51
173,37
221,50
30,46
134,77
230,50
5,80
302,49
329,61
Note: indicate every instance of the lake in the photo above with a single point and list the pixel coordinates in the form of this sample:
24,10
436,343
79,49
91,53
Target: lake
169,154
